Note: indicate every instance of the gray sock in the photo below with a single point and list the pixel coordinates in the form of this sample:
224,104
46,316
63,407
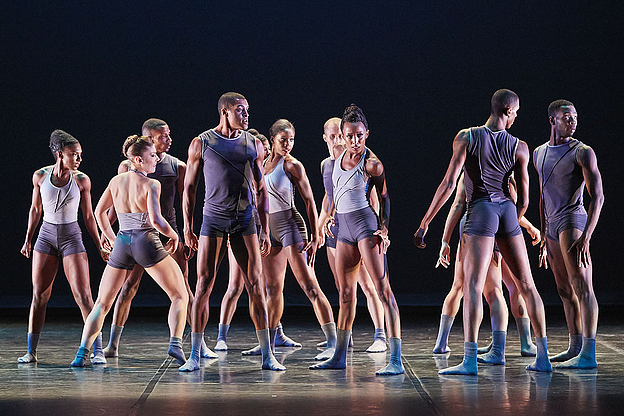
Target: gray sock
115,335
223,330
446,323
175,350
329,329
272,333
380,334
264,341
395,350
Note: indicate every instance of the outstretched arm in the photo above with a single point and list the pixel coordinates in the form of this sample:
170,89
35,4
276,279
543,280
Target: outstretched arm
34,214
191,180
446,187
586,158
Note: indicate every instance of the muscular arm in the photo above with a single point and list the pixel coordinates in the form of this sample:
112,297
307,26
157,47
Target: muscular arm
86,206
105,202
446,187
299,178
153,209
521,174
455,213
34,213
191,180
262,198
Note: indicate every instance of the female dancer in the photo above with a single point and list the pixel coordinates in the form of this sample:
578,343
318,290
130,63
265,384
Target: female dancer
58,190
361,235
136,199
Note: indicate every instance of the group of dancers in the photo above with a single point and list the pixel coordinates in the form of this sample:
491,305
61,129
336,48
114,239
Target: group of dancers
249,213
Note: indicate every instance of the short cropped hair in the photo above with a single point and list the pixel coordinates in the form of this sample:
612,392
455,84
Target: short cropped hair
228,99
253,132
152,124
59,140
353,114
503,99
554,107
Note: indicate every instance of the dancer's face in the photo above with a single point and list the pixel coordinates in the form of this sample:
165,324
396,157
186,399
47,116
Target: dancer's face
71,156
333,136
512,114
161,138
149,159
238,115
355,135
565,121
283,142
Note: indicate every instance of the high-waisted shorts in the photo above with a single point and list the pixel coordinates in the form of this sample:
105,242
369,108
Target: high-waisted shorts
557,226
142,246
287,228
357,225
59,239
492,219
222,226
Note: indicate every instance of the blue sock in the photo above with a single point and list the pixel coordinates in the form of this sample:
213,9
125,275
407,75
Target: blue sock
81,357
33,341
223,330
380,334
395,350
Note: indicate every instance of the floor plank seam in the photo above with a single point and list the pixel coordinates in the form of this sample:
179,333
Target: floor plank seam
418,386
614,348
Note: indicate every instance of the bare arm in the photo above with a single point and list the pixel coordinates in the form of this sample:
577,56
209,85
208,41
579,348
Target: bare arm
586,158
105,202
34,213
191,180
86,206
262,199
521,174
155,215
453,217
446,187
298,176
375,168
524,222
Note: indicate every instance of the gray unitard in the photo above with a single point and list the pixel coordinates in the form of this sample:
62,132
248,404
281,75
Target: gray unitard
490,159
228,173
561,184
59,234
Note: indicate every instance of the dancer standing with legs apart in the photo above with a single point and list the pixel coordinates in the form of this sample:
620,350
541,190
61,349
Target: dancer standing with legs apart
288,235
59,190
566,166
170,173
230,158
361,235
489,155
335,145
136,199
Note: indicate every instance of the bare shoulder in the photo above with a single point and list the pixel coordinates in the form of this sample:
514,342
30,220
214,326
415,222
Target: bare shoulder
195,146
463,134
124,166
82,180
585,155
373,165
42,172
293,167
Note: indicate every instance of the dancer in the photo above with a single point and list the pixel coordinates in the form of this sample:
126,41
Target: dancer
565,166
335,145
490,155
497,271
136,199
59,190
288,235
170,173
230,158
361,235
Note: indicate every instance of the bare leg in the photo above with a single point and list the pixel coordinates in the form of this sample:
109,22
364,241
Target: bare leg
180,258
236,284
518,310
450,306
375,309
44,268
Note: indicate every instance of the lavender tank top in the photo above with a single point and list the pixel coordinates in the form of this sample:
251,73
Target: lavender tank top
351,187
280,189
167,174
327,169
60,204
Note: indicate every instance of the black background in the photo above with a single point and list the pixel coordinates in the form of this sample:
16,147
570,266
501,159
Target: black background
420,71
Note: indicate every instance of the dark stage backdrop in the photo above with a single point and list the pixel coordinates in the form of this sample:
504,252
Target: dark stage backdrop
420,70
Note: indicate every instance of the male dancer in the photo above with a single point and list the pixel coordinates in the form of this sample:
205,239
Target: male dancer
335,145
170,173
565,166
490,155
230,157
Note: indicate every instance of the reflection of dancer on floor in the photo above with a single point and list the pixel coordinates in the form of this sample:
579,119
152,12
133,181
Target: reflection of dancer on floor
230,158
288,235
361,235
335,145
566,166
489,155
170,173
497,271
59,190
236,284
136,200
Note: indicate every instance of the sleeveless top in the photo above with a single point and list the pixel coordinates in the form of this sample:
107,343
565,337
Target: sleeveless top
327,170
490,159
167,174
228,173
60,204
561,179
280,189
134,221
351,187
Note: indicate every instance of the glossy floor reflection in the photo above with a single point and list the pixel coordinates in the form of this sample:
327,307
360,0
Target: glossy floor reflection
143,381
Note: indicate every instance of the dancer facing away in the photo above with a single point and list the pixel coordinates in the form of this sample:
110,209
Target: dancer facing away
236,284
59,190
361,235
565,166
170,173
288,235
335,145
497,271
136,199
230,158
489,155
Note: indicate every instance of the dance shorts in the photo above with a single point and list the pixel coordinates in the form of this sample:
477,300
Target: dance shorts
287,228
557,226
59,239
221,226
141,245
357,225
492,219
